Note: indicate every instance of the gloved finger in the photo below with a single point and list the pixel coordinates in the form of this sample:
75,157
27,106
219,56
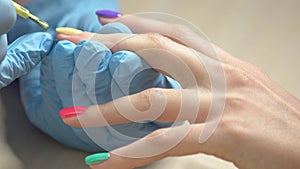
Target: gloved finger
165,105
24,54
55,96
67,77
63,70
176,141
3,46
31,94
91,62
115,27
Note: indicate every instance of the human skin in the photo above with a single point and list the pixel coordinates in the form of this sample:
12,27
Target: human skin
260,124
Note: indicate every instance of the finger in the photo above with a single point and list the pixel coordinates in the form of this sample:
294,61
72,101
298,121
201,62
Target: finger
111,28
115,27
31,95
23,55
63,68
165,105
162,24
176,141
108,16
75,39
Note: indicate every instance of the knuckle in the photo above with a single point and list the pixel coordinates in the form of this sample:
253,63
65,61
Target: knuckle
180,30
233,126
149,92
259,71
143,98
159,138
237,77
156,40
246,74
236,100
145,95
100,108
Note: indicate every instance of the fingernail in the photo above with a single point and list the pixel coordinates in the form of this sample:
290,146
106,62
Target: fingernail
108,13
72,111
96,158
68,31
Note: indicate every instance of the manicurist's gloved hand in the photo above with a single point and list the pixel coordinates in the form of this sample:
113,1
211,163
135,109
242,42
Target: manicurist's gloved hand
78,14
23,55
82,75
7,20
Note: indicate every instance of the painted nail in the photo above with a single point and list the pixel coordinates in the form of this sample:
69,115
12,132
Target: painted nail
96,158
68,31
108,13
72,111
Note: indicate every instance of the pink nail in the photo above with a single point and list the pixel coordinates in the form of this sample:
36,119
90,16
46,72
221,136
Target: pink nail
72,111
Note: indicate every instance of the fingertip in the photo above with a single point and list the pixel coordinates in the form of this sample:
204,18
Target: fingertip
47,43
113,161
97,158
68,31
74,38
114,27
63,47
70,115
61,36
105,21
71,121
108,16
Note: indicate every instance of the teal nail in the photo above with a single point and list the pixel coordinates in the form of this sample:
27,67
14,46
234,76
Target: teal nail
96,158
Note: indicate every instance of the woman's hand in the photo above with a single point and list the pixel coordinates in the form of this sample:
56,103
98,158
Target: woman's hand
238,113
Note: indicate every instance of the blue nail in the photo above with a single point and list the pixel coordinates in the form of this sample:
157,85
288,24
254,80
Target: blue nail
108,14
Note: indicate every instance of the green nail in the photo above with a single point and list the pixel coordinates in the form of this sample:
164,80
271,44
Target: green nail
96,158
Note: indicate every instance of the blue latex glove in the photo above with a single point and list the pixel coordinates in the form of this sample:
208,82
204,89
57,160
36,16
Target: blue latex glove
78,14
67,79
23,55
7,20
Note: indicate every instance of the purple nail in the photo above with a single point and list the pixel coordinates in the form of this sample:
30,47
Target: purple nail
108,13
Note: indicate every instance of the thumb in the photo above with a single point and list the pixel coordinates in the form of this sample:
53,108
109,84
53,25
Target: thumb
23,55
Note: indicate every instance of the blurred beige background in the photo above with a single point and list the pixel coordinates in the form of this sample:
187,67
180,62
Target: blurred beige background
264,32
